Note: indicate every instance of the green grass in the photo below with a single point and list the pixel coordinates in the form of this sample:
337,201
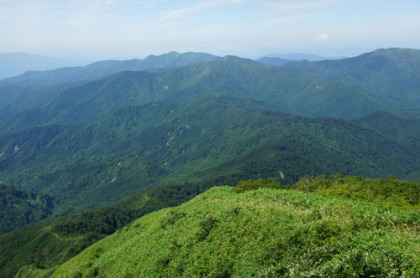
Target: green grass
382,191
259,233
50,244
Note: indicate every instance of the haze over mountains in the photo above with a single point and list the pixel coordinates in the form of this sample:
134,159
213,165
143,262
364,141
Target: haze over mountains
101,68
13,64
79,138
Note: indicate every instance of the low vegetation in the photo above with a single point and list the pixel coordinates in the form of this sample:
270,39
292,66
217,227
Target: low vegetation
382,191
263,232
46,245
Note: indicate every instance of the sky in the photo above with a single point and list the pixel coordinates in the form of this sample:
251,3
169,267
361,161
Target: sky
122,29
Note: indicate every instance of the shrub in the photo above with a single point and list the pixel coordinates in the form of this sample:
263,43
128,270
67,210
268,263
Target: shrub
251,184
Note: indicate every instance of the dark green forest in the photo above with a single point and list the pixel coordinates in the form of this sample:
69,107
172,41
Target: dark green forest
19,208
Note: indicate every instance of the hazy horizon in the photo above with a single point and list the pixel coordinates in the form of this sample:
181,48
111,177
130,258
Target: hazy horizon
126,29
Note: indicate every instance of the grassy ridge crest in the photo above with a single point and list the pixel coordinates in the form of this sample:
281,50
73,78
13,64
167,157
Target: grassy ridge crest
261,232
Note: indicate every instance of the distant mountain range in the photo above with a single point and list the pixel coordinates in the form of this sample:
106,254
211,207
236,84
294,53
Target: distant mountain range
102,68
13,64
276,87
302,57
302,88
228,115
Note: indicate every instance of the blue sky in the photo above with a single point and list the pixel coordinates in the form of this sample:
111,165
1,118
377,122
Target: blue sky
120,29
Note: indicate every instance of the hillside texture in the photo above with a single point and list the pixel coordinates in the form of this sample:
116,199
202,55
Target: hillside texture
258,233
116,155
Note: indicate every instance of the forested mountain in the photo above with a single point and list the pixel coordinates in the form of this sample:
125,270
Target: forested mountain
303,57
273,61
278,88
130,137
101,161
386,72
102,68
19,208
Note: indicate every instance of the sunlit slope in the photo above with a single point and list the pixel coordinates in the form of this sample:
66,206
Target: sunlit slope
262,233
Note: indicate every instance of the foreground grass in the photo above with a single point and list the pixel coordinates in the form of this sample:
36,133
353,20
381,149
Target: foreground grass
259,233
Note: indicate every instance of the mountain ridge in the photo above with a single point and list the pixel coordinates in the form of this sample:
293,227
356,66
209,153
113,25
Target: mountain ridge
236,234
102,68
281,89
386,72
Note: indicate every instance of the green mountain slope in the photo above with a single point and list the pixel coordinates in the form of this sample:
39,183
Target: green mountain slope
391,126
262,233
383,80
278,88
386,72
50,244
102,161
406,132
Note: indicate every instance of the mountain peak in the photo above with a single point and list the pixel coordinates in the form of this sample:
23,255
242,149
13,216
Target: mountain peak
394,53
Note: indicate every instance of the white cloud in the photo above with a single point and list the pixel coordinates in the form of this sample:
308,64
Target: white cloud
322,37
180,13
301,5
176,14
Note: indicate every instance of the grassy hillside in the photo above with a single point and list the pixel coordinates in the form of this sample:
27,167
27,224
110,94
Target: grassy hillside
50,244
381,191
258,233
